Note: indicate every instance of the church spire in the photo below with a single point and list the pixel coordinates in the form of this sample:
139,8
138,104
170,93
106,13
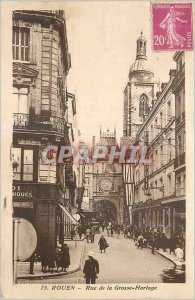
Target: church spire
141,47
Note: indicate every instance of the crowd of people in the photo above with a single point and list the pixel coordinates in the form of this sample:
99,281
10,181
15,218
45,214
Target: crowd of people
59,259
157,239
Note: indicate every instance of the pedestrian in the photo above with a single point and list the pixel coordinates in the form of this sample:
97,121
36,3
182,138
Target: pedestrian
118,232
140,241
91,269
157,237
65,261
88,233
164,242
32,261
111,230
92,234
51,259
179,253
58,257
80,232
72,234
172,244
108,230
103,244
44,258
152,240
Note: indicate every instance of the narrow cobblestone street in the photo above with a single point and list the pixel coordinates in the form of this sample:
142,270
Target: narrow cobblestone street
122,263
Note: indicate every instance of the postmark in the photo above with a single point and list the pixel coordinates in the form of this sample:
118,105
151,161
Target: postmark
172,26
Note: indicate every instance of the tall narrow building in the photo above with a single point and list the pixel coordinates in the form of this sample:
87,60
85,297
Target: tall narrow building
139,91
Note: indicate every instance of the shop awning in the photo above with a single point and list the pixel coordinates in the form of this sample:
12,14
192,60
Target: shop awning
72,219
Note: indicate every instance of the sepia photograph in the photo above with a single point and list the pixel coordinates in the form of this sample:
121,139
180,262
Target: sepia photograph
98,144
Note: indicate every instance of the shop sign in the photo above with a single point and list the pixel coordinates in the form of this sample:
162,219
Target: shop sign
21,191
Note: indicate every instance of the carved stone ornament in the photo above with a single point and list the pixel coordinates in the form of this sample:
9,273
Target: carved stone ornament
46,37
21,69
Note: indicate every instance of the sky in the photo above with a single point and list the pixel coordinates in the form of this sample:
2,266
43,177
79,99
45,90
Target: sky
102,42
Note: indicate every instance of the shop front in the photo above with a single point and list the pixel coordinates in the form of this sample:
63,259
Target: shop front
39,204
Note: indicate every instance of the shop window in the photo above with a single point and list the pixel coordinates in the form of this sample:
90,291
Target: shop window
22,164
20,100
21,43
16,163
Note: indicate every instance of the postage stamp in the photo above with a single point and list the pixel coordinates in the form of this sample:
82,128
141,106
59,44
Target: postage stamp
172,26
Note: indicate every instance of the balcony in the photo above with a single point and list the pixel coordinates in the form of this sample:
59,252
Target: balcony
179,160
43,123
21,121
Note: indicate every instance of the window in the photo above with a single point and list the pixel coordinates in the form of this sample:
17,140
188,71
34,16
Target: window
20,43
22,164
169,149
86,193
87,180
156,159
161,155
179,145
169,112
152,163
161,120
143,106
28,165
20,100
16,163
169,183
178,186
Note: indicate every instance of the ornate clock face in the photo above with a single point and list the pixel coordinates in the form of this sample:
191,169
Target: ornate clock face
105,184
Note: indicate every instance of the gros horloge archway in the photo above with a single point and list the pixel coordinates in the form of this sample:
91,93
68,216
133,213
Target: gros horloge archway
105,211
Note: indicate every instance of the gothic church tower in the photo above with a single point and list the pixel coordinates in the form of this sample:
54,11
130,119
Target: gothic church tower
139,91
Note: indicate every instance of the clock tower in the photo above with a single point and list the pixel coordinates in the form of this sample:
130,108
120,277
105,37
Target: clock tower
108,194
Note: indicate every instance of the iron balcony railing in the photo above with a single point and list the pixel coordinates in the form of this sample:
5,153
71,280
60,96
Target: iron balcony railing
47,123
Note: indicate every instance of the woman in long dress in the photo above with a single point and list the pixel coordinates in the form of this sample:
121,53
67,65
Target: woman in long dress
169,23
65,261
103,244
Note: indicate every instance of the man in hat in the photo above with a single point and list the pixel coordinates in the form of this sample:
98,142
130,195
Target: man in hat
91,269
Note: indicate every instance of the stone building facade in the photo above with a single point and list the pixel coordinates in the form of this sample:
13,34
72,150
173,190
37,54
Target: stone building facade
155,181
155,118
180,139
41,61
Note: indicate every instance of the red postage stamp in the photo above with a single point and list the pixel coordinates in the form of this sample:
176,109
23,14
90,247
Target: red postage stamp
172,26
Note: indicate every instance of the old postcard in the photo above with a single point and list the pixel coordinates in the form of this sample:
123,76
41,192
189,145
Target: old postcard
97,150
